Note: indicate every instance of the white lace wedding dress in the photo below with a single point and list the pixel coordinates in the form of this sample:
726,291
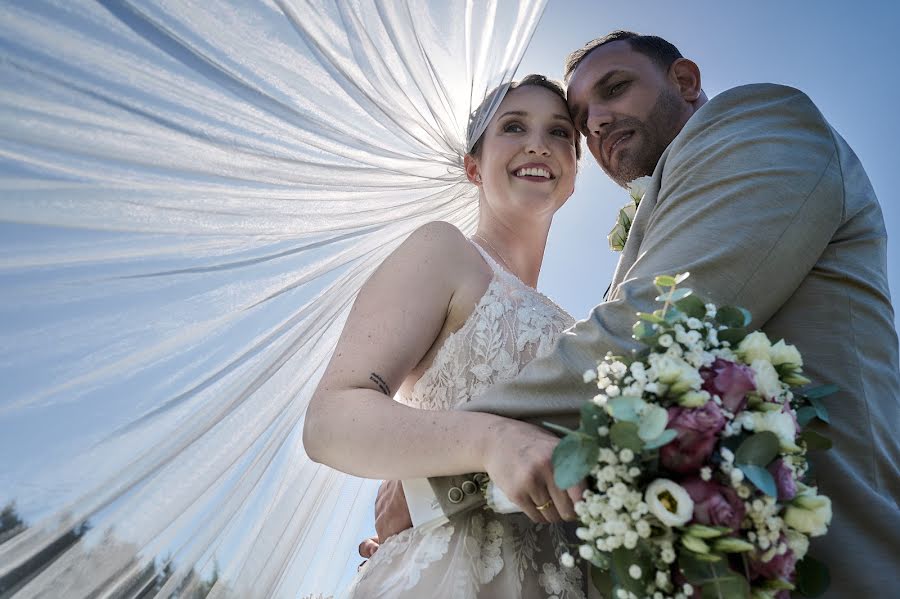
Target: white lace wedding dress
480,553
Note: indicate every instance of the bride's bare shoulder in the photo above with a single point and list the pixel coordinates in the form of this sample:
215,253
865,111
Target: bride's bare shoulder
442,245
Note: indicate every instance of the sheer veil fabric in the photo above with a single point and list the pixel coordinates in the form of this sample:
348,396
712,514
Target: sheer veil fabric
191,193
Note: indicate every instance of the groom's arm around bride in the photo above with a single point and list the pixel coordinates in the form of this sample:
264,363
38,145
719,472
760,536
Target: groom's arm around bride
766,206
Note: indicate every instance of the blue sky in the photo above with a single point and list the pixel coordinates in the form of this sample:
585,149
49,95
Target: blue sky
841,54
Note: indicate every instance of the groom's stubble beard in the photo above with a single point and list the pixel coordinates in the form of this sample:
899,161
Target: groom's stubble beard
654,135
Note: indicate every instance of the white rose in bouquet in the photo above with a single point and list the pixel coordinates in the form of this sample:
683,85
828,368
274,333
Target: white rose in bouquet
809,513
754,346
782,353
780,423
766,379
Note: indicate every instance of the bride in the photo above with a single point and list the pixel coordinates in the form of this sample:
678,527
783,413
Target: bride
442,319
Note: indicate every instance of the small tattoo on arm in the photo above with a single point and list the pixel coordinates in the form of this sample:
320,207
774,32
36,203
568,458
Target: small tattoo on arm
382,386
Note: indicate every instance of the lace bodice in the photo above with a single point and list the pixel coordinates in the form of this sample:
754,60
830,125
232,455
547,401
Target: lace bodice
480,554
511,325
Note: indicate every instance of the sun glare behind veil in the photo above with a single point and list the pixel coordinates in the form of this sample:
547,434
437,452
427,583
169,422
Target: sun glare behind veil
192,193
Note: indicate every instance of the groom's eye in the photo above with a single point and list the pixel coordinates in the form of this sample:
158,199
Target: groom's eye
618,87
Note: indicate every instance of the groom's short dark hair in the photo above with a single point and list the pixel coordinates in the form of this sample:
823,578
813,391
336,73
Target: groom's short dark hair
656,48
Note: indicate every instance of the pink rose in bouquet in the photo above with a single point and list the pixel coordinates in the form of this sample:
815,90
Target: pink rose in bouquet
784,480
698,432
714,504
730,381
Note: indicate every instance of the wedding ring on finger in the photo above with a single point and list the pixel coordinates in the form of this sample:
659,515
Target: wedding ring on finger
544,506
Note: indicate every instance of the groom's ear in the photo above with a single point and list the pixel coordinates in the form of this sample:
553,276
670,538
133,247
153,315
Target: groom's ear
685,74
473,171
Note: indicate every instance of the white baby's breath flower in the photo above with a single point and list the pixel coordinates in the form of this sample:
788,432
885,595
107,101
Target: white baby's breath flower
590,375
643,529
626,455
669,502
754,346
567,560
666,340
667,554
600,400
586,551
726,454
613,391
662,578
706,473
634,571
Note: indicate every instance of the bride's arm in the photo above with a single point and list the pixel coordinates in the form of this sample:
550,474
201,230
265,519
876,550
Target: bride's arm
352,423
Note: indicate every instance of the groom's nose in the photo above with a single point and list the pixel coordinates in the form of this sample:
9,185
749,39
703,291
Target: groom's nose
598,120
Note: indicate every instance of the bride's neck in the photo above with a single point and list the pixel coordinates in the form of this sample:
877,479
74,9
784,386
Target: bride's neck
520,250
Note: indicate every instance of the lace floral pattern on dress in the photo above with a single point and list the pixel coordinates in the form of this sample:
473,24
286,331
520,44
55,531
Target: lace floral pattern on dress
480,554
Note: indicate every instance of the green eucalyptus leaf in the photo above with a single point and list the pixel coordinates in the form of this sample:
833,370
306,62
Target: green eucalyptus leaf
698,570
592,417
732,335
643,329
693,306
805,415
603,581
760,477
673,315
730,586
819,407
666,437
680,294
573,458
819,392
653,318
652,423
732,317
814,441
813,578
665,281
623,559
625,408
758,449
625,436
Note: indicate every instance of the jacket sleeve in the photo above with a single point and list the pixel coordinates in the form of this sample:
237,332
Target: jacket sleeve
747,198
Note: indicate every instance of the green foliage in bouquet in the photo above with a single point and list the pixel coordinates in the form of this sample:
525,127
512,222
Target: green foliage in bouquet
696,461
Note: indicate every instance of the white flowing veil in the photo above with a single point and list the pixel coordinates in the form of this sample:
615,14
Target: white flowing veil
191,193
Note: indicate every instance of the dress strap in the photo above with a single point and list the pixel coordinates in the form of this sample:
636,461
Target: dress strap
495,266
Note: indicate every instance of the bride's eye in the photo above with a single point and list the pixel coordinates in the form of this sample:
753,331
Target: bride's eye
513,127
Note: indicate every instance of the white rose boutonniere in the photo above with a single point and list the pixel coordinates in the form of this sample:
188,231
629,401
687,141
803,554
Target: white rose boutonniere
619,233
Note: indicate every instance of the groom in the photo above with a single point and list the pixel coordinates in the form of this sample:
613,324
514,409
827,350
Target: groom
767,207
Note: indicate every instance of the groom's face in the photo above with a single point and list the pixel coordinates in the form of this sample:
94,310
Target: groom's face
627,107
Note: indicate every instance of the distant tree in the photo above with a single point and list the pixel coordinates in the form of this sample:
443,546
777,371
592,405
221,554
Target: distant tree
10,522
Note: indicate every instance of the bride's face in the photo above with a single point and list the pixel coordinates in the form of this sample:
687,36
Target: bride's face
527,158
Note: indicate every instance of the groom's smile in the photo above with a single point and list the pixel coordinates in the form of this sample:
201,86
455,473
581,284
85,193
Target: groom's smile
628,107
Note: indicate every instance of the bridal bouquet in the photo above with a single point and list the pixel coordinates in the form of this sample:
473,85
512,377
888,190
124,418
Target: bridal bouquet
695,453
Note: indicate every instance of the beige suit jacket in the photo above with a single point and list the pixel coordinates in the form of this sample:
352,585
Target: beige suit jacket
767,207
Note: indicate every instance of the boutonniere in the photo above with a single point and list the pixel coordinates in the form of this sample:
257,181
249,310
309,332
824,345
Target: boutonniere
619,234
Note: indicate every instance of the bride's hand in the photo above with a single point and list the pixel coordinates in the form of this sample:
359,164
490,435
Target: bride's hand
518,459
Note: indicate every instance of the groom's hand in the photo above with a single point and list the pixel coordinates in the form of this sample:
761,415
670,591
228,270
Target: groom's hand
391,512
